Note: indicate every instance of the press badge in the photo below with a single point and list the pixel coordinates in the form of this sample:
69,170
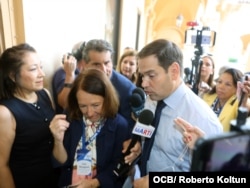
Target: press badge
84,162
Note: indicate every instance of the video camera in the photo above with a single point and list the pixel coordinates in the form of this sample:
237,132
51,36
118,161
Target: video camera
227,152
76,51
200,39
203,37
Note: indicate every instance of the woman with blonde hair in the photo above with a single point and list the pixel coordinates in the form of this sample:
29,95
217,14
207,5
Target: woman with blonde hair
127,65
205,79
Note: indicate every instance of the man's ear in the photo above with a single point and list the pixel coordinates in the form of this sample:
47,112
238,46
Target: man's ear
174,70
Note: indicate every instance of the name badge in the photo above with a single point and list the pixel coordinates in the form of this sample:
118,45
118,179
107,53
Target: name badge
84,163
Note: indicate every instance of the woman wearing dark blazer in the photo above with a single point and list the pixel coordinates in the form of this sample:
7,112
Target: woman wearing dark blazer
92,144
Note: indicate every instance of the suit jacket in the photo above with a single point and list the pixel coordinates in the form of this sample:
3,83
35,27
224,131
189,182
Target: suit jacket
109,143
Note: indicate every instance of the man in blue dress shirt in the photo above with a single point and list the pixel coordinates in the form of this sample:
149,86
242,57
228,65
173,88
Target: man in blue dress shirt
160,63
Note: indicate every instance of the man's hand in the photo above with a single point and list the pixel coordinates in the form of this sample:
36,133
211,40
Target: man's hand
69,64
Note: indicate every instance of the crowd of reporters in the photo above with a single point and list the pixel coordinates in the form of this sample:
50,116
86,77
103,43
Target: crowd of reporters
45,139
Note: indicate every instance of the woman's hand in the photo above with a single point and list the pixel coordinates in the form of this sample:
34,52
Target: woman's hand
204,87
243,93
135,151
190,132
58,126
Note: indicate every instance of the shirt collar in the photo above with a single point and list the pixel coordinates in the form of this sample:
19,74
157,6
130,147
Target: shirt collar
177,95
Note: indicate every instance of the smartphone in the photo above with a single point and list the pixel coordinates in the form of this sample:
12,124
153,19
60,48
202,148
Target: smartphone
242,93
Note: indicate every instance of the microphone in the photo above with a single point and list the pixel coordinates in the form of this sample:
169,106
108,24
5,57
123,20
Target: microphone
139,91
141,128
137,101
187,72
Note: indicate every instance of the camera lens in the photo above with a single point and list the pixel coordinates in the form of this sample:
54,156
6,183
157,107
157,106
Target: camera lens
68,55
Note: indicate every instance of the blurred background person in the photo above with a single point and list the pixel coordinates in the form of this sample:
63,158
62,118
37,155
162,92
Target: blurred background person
221,70
128,48
223,97
72,64
127,65
26,110
95,136
205,78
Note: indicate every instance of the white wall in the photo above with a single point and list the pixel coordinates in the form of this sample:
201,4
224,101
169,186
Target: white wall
54,26
129,21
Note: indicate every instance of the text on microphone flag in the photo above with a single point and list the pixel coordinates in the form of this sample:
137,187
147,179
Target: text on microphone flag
143,130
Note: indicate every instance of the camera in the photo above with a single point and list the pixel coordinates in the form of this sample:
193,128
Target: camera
226,152
68,55
200,39
203,37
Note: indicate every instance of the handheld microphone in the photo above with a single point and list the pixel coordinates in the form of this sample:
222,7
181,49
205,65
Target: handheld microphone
187,73
137,101
141,128
139,91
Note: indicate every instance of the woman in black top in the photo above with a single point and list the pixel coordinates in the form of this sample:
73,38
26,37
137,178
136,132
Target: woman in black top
26,111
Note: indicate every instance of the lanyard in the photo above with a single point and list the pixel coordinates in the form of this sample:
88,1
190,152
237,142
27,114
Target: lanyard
215,107
93,137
